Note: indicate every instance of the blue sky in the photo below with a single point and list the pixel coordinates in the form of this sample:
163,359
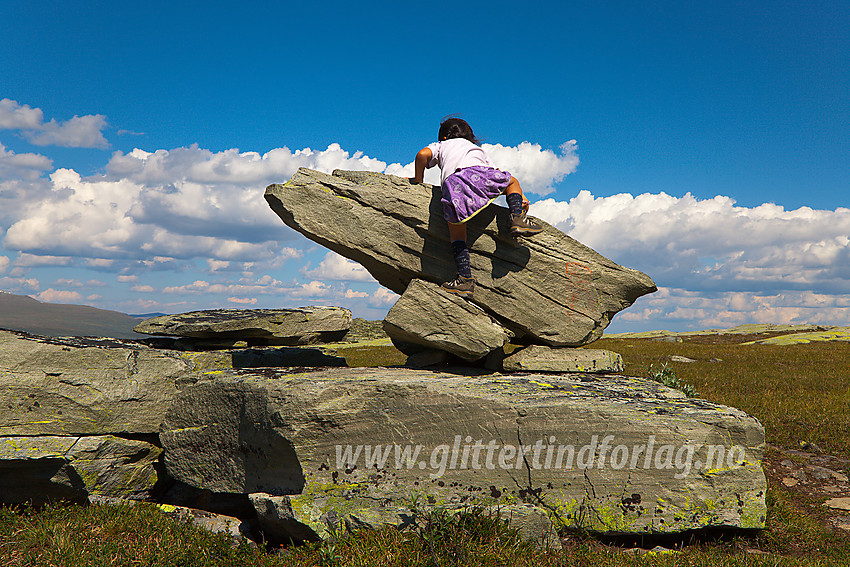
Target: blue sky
710,143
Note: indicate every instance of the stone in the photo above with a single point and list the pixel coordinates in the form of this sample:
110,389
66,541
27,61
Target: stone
429,316
304,325
43,468
561,292
538,358
679,358
609,454
838,503
841,522
58,386
278,521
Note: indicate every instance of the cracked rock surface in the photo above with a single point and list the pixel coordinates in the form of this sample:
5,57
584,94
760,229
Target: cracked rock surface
609,454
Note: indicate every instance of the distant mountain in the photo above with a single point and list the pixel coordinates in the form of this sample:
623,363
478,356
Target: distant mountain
22,313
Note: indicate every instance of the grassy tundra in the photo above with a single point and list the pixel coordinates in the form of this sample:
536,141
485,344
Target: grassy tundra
800,392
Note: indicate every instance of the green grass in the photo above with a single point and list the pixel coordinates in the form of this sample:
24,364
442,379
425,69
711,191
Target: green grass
800,393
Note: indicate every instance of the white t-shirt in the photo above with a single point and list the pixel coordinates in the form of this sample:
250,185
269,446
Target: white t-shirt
455,154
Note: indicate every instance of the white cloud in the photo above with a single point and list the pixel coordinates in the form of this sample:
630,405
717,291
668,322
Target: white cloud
674,308
78,132
243,300
314,289
536,169
194,203
383,297
51,295
126,278
216,265
33,260
336,267
18,284
351,294
712,244
4,264
22,166
142,288
14,116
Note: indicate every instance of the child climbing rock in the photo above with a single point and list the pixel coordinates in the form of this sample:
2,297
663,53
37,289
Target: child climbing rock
470,182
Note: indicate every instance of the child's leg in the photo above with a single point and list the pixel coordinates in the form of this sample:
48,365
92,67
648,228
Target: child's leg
517,203
457,236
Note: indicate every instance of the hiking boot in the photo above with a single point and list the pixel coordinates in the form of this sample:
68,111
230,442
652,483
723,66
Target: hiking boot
460,285
521,225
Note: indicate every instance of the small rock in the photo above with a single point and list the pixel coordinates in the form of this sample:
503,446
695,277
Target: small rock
832,489
838,503
841,522
788,463
677,358
823,473
789,482
667,339
538,358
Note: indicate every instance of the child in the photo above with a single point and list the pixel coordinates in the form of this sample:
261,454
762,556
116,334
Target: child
470,182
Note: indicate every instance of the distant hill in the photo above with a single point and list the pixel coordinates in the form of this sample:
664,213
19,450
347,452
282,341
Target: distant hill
22,313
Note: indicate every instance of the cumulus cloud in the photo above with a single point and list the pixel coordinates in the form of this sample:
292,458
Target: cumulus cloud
383,297
712,244
194,203
536,169
51,295
15,116
676,308
336,267
22,166
19,284
4,264
78,132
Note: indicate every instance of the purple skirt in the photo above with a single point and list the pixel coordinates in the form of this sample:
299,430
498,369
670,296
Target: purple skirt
468,190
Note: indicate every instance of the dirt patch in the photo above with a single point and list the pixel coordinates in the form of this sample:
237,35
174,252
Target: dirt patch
811,477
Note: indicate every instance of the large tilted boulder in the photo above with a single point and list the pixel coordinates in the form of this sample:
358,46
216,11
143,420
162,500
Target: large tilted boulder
548,288
616,455
298,326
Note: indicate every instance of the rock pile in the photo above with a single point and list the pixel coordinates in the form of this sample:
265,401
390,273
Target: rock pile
548,290
303,450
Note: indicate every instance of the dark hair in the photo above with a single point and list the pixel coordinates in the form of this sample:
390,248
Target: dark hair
454,127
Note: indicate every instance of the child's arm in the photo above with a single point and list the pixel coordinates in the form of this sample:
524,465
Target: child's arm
421,162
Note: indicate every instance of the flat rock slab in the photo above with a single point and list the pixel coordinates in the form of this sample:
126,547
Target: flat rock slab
304,325
429,316
53,386
44,468
549,287
610,454
537,358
